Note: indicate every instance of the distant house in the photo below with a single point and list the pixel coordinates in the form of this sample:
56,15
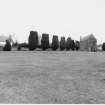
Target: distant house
88,43
3,39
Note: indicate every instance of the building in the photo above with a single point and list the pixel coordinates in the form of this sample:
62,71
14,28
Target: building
3,39
88,43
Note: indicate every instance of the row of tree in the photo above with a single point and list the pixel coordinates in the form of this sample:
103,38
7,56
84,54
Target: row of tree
33,42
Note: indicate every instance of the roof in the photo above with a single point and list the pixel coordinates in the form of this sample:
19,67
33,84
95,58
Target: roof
91,37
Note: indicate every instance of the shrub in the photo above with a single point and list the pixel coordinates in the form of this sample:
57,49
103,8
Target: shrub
77,45
68,43
25,45
45,41
22,45
15,44
33,40
62,43
55,42
7,46
103,47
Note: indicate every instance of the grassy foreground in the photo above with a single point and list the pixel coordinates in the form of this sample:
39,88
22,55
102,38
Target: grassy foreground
52,77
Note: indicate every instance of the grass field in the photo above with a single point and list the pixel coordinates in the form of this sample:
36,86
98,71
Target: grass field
52,77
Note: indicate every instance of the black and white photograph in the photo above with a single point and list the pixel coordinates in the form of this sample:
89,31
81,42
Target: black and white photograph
52,51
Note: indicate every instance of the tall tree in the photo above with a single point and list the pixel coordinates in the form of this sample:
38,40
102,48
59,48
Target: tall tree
68,43
62,43
77,45
55,42
45,41
103,47
33,40
72,45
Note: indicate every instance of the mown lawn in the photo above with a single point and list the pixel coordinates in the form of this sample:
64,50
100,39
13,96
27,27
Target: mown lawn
52,77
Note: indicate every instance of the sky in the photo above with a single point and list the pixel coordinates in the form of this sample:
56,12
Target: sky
73,18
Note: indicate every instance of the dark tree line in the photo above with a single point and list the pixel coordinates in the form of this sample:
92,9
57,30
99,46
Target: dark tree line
63,44
33,43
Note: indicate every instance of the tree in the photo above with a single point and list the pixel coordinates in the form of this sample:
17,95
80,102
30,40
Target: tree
72,45
55,42
77,45
7,46
45,41
62,43
19,47
33,40
103,47
68,43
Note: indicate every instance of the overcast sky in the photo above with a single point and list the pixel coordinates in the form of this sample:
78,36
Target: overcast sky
73,18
